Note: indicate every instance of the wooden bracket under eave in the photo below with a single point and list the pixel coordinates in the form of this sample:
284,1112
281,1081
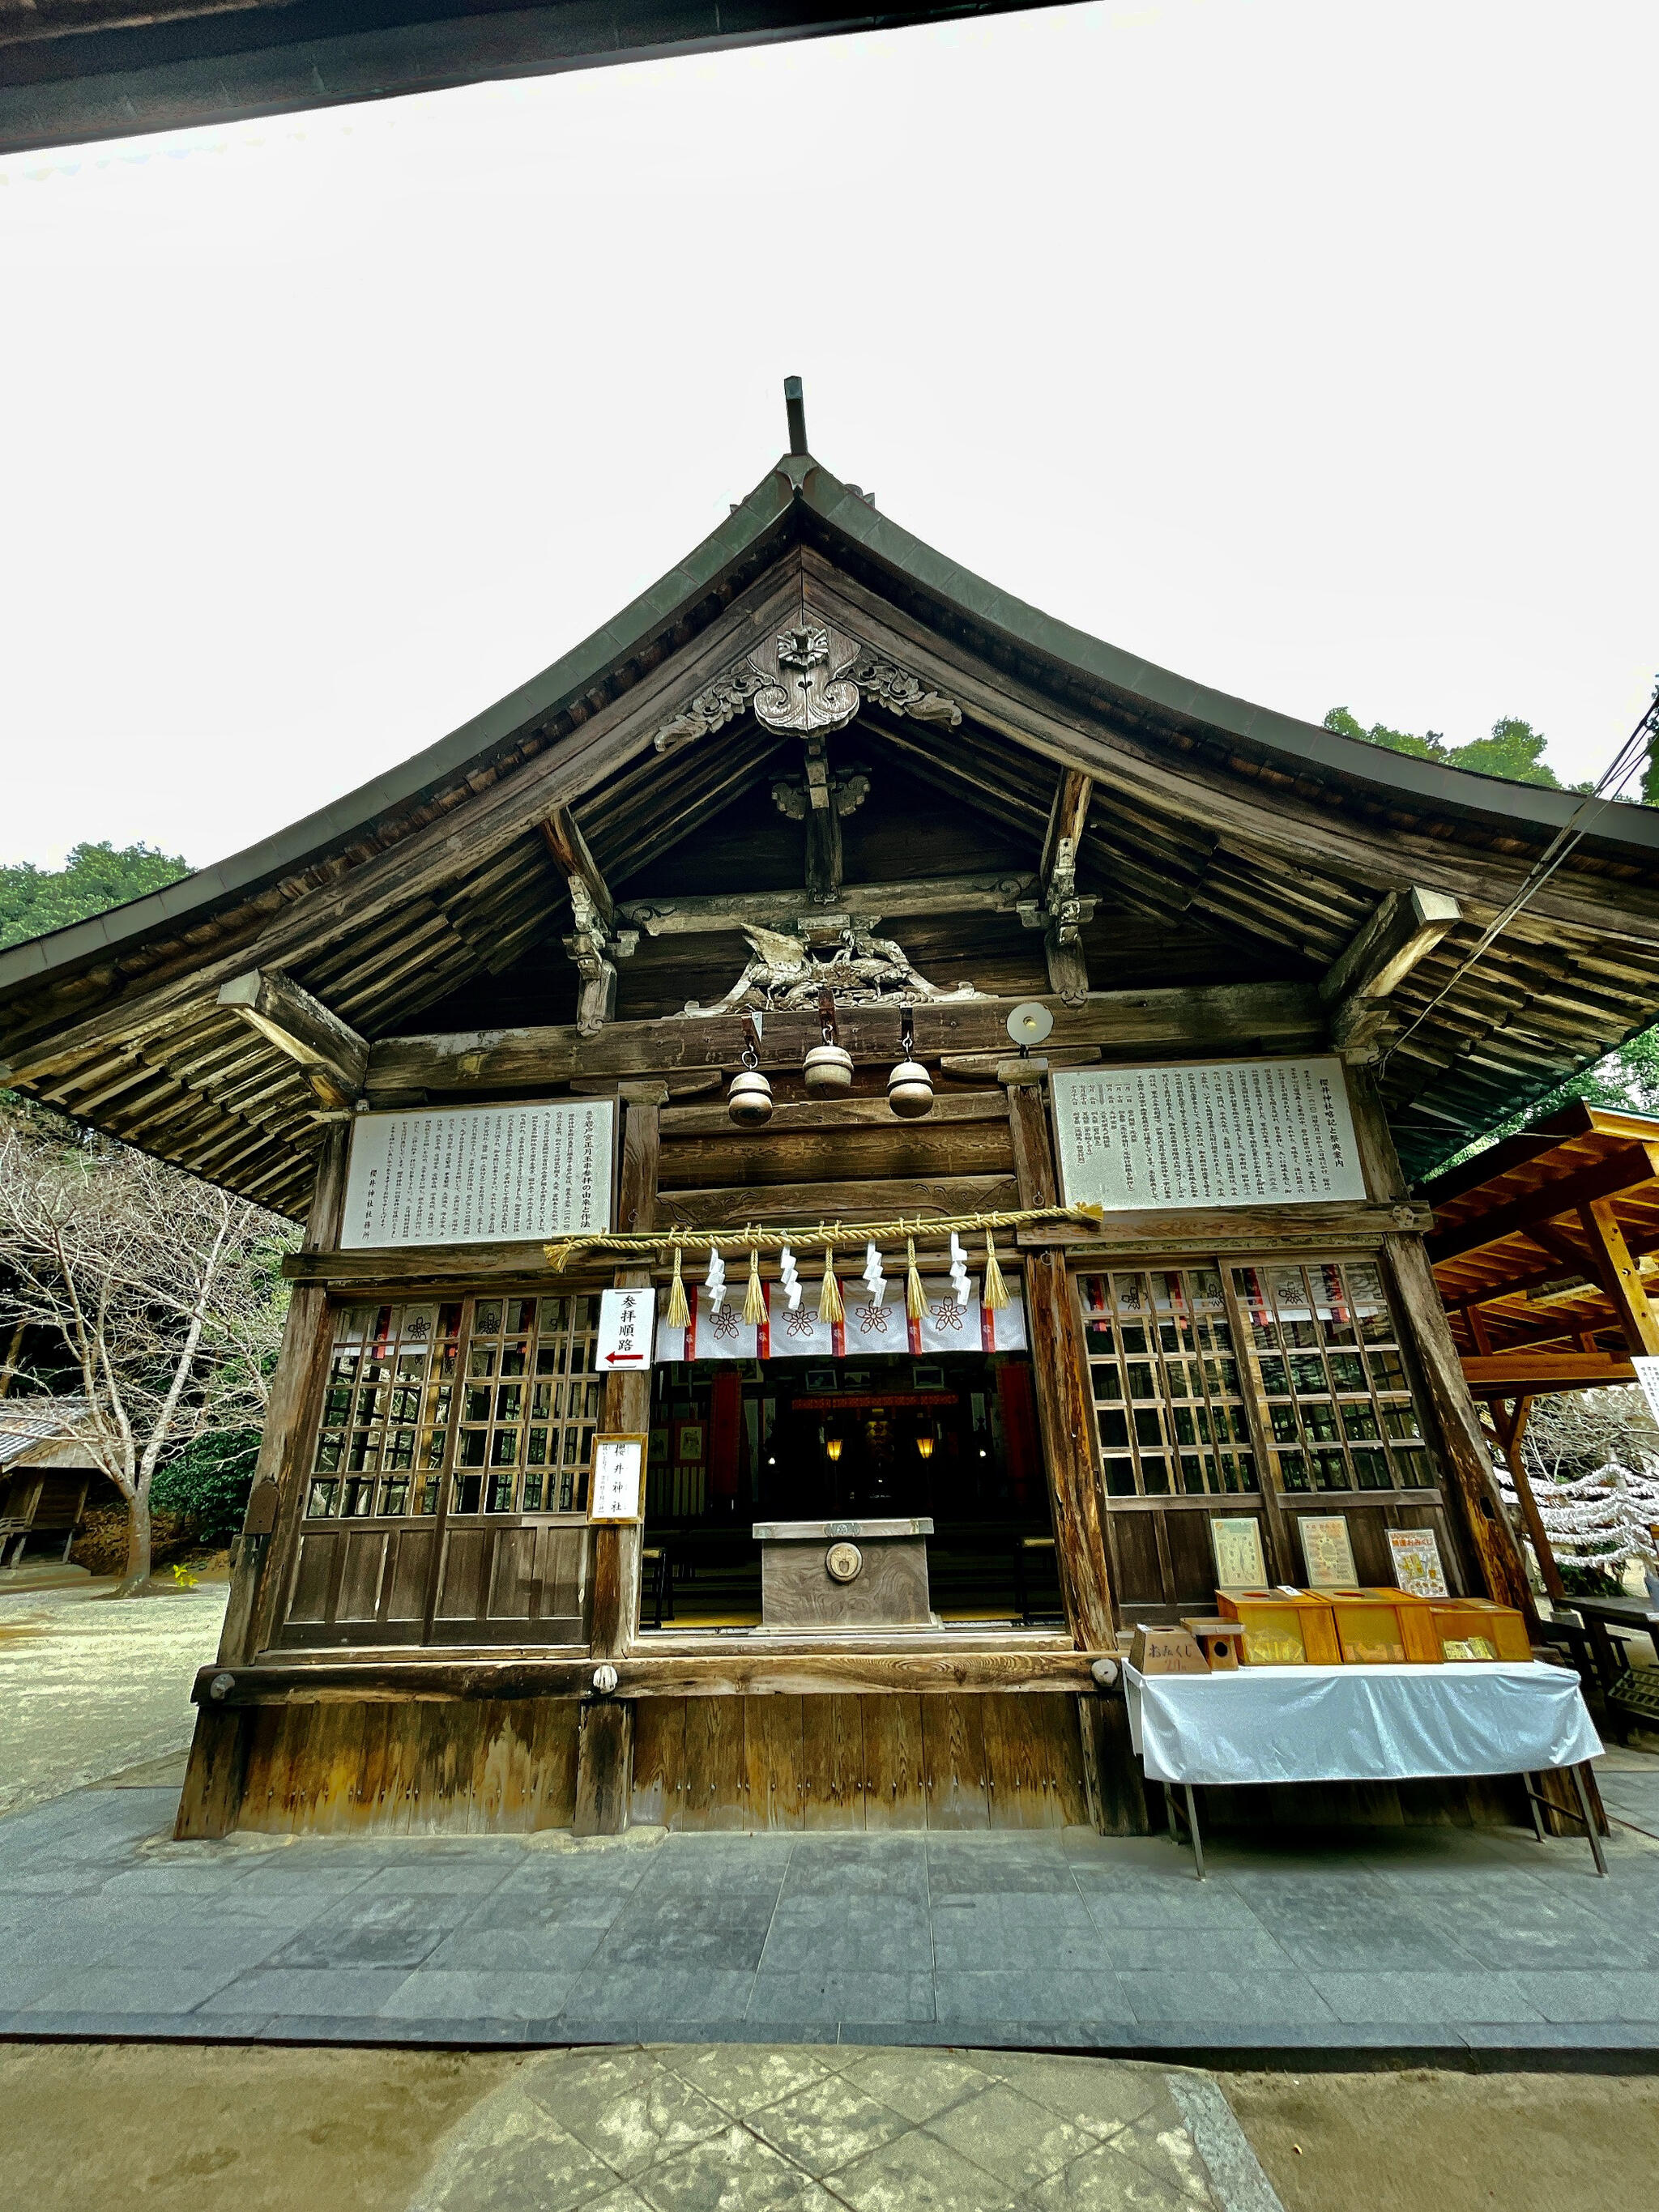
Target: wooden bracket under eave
1401,929
332,1056
595,944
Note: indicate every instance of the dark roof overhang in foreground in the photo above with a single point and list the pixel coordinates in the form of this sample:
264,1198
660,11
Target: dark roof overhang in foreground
1207,815
72,71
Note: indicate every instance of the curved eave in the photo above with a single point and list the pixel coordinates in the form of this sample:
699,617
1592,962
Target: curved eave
1490,801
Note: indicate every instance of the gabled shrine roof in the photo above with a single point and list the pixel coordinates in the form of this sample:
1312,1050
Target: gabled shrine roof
1224,814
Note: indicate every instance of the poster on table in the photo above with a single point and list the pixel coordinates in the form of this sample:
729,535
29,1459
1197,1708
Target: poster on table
869,1329
1417,1567
1225,1132
480,1175
613,1491
1326,1553
1238,1561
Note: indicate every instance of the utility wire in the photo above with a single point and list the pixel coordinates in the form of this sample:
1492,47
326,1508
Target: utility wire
1569,835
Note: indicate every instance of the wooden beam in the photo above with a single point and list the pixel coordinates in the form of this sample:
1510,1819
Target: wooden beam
334,1057
881,1200
1471,1490
736,1670
1621,1276
1069,817
1531,1374
1510,1428
731,912
1624,1170
1220,1018
801,1114
574,861
1403,926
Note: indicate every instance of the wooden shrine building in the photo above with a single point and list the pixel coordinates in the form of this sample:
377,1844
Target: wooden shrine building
816,819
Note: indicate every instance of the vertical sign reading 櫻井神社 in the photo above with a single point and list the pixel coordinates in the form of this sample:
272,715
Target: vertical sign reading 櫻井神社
1225,1132
480,1175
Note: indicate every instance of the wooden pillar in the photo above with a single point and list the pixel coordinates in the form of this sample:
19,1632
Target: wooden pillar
604,1760
1472,1490
1620,1277
1510,1428
212,1792
1065,1422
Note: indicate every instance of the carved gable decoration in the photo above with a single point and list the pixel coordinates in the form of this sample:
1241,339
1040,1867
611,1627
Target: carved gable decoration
807,694
808,681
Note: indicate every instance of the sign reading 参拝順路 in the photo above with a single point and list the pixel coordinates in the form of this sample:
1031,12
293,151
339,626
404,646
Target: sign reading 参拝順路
1221,1133
476,1175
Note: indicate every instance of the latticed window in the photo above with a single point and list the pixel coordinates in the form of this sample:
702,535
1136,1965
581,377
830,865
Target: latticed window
1166,1385
1339,1403
500,1392
386,1414
530,1404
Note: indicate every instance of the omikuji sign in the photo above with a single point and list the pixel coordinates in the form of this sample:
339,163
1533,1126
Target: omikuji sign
1235,1133
477,1174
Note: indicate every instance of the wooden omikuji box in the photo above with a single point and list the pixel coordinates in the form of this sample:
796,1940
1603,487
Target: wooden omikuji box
1382,1628
1220,1641
1282,1628
1463,1622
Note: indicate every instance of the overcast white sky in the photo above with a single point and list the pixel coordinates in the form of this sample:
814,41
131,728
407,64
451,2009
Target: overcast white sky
1308,349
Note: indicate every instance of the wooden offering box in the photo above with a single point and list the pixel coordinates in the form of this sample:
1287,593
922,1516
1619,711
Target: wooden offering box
1282,1628
1219,1641
1383,1628
1475,1628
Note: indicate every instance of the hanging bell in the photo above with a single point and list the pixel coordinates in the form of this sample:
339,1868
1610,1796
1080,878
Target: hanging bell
909,1087
749,1102
828,1071
910,1091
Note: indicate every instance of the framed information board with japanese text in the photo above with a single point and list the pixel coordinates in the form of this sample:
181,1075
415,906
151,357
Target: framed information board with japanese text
477,1174
1215,1133
617,1479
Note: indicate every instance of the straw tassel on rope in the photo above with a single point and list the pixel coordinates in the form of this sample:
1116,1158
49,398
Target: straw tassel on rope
754,1303
830,1308
915,1299
677,1313
995,1296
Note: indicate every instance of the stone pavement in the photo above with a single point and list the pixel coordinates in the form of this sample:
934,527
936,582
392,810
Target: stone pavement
88,1688
724,2128
1425,1941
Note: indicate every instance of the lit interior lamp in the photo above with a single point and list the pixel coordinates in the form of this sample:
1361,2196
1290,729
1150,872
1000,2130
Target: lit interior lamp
925,1446
832,1445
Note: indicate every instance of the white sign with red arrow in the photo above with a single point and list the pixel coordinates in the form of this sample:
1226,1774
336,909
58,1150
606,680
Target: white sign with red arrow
625,1331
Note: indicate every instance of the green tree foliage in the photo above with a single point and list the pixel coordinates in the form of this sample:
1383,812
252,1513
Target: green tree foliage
208,1484
93,878
1514,749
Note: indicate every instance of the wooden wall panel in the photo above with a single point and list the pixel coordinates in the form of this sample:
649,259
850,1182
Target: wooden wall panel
360,1578
409,1565
313,1570
1137,1576
423,1768
832,1760
513,1574
894,1796
953,1762
461,1575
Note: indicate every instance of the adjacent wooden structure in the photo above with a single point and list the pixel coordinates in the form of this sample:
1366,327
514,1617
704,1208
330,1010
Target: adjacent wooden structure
819,759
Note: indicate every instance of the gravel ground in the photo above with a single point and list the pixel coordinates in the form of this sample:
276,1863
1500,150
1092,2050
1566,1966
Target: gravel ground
88,1688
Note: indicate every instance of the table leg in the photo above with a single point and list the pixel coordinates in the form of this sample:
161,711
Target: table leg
1589,1821
1526,1782
1168,1813
1198,1847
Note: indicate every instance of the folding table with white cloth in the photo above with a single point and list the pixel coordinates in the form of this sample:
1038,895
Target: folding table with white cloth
1388,1723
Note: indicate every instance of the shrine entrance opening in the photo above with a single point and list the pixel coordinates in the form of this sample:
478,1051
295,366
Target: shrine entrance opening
950,1438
